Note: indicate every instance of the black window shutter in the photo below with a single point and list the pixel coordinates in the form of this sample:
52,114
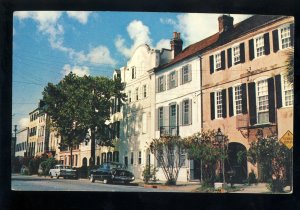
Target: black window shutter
211,63
229,58
212,105
242,52
244,98
267,43
275,40
292,32
252,103
224,110
278,91
251,49
223,60
271,98
230,102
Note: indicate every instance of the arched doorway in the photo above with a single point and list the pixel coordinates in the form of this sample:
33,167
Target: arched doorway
236,162
84,162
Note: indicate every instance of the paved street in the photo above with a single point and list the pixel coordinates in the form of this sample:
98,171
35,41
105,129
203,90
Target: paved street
36,183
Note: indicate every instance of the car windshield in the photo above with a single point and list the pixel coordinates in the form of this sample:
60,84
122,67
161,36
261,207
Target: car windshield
116,165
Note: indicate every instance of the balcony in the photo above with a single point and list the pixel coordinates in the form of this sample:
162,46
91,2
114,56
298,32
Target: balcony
169,130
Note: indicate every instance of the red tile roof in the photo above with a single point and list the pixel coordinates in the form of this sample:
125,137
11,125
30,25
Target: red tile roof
218,39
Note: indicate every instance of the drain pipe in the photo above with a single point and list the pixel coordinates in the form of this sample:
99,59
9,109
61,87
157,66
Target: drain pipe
201,102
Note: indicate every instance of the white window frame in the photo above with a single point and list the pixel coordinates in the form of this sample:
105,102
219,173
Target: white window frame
284,89
217,60
145,94
161,82
218,115
255,39
187,69
286,26
236,58
160,117
185,114
266,110
172,75
240,100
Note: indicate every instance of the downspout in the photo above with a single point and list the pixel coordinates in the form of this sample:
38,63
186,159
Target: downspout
201,102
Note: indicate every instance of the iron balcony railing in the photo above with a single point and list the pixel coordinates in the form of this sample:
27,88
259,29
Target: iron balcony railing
169,130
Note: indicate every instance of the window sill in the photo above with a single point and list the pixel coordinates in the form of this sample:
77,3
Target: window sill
183,83
262,125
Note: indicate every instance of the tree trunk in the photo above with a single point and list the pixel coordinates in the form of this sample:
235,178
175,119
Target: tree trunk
93,147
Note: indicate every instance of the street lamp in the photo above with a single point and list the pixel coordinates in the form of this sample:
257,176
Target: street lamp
220,138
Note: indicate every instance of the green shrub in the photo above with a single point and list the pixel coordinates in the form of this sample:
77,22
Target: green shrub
276,185
171,182
47,165
149,174
35,163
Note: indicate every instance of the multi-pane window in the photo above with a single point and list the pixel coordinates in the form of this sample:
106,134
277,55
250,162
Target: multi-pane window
129,96
161,84
145,91
133,72
262,102
285,36
237,99
109,156
131,158
186,107
219,109
161,116
217,60
185,74
236,54
182,158
172,80
288,92
259,46
140,157
137,94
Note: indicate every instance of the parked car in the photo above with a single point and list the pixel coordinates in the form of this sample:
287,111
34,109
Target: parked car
63,171
111,172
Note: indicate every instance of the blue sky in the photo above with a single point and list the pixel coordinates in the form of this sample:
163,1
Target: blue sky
48,45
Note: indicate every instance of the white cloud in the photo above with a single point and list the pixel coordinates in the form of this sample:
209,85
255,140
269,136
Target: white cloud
138,33
80,16
163,43
196,26
78,70
47,23
168,21
23,122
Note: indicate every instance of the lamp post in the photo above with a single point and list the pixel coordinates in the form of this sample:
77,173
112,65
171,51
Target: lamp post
220,138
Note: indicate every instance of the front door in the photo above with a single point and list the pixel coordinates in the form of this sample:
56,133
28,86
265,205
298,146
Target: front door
195,170
126,161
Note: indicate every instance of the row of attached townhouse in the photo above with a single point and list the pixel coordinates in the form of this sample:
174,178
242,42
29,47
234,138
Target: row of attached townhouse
233,80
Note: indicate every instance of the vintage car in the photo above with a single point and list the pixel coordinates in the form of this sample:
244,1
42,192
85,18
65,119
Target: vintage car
111,172
63,171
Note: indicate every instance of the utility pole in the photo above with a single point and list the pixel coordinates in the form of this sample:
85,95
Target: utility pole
14,142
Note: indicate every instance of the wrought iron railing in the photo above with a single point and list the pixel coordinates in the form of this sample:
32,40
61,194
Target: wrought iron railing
169,130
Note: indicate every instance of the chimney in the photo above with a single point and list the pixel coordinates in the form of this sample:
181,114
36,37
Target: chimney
225,23
176,44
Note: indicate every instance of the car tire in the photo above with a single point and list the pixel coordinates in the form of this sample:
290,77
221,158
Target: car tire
51,175
92,178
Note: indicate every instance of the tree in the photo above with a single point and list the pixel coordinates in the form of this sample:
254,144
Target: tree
99,92
203,146
64,103
167,150
290,66
272,158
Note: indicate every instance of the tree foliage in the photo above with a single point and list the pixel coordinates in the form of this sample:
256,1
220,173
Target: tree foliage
167,151
272,158
203,146
79,106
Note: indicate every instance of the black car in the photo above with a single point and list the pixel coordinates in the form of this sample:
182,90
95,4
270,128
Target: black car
111,172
